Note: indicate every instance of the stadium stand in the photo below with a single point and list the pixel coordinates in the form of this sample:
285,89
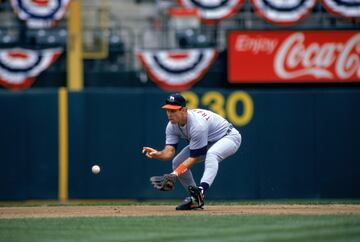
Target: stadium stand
142,24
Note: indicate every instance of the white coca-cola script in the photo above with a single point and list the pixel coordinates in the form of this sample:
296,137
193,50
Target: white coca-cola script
327,60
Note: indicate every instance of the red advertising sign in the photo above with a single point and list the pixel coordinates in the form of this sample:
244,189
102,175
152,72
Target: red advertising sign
288,56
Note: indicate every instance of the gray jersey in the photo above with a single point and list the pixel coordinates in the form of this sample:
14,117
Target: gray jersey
203,127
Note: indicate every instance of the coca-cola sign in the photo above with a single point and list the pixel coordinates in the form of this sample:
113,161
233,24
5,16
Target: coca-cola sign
286,56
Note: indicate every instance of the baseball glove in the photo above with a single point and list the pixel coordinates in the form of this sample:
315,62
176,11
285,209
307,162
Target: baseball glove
163,183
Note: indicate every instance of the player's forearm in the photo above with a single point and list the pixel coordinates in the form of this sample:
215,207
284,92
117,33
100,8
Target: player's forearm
164,155
192,161
183,167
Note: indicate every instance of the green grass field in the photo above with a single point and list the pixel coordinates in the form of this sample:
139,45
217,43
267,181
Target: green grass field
194,227
184,228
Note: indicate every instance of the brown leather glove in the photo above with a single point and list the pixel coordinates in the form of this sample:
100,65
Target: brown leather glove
163,183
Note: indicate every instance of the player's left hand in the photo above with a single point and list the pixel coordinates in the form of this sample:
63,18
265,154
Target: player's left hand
149,152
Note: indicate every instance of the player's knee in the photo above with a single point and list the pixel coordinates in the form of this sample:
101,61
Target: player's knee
212,161
212,166
213,156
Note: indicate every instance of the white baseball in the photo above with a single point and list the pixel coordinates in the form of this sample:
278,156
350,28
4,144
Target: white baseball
95,169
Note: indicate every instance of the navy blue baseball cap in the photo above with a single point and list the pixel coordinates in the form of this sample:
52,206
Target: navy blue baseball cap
174,102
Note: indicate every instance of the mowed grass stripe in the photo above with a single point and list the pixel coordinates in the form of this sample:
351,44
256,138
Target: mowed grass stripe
302,234
303,230
184,228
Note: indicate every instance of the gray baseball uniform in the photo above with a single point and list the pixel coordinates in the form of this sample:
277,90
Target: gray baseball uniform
210,136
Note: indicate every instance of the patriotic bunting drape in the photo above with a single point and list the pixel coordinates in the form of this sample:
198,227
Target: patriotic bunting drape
213,11
343,8
283,12
46,13
19,67
40,13
177,69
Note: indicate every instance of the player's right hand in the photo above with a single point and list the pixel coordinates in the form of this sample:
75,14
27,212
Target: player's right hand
149,152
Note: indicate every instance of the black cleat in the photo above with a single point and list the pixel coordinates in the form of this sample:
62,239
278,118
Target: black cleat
197,195
188,204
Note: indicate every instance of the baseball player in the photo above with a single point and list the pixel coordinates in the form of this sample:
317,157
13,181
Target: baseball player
211,138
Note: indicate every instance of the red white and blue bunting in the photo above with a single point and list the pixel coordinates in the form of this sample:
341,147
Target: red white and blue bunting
213,11
19,67
343,8
177,70
40,13
283,12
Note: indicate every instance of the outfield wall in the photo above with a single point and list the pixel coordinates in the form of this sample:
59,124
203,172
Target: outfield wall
297,143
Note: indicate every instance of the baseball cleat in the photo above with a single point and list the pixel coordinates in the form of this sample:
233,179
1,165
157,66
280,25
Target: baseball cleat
197,195
188,204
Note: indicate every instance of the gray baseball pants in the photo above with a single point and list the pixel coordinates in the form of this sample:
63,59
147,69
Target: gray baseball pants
217,152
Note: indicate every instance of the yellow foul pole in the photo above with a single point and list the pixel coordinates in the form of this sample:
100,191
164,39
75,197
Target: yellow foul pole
75,70
63,145
75,82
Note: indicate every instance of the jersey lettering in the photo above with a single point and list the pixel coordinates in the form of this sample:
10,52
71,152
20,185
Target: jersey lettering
203,114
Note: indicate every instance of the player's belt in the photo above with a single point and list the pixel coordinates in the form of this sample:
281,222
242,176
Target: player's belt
227,132
229,129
